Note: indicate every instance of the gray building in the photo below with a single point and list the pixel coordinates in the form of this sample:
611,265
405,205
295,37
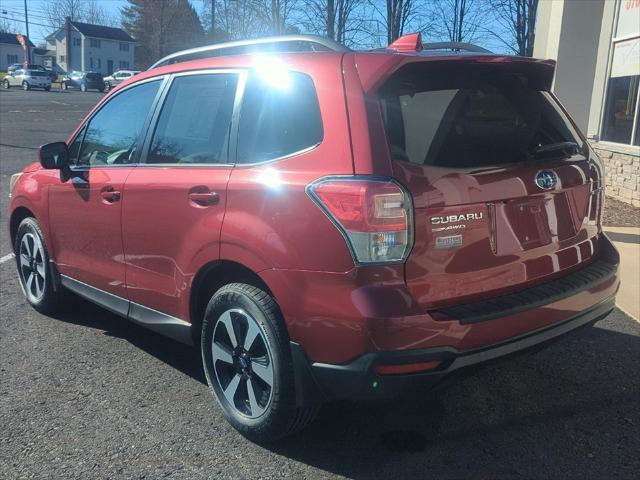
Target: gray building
597,46
88,47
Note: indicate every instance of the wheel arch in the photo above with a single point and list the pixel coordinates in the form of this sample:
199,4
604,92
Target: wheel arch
209,279
17,216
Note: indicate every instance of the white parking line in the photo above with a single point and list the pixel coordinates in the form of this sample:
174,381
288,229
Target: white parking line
6,258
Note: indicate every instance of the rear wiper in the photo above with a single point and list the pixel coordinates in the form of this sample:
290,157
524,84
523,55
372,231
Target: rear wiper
552,147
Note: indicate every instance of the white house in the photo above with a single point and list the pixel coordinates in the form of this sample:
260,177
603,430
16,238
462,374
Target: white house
10,50
91,48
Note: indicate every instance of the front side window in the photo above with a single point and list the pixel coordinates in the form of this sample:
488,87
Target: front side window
113,133
195,121
279,117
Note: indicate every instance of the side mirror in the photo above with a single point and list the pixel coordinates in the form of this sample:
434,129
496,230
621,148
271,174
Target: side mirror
54,156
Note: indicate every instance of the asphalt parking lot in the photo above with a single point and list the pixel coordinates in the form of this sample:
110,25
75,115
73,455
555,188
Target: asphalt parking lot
88,395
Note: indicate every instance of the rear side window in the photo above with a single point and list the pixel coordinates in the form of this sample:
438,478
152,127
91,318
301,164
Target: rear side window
278,118
477,120
194,124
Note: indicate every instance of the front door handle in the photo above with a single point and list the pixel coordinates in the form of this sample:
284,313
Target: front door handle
204,198
110,195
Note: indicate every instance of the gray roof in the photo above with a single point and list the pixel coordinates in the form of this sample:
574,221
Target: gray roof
11,39
100,31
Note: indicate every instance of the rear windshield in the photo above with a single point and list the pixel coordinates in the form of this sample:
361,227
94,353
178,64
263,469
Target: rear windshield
463,119
36,73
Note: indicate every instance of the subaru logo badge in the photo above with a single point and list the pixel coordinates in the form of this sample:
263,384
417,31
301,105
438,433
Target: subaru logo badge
546,179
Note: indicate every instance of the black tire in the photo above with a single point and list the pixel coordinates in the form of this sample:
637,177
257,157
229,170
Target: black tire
6,85
25,86
280,416
46,89
83,87
107,86
101,90
50,300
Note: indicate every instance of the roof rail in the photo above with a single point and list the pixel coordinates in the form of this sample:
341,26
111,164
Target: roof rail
469,47
287,43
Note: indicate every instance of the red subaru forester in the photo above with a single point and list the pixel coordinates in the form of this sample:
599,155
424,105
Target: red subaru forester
324,223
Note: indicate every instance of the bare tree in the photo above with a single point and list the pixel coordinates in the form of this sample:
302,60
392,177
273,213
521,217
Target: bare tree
517,20
276,15
7,26
88,11
231,19
461,20
57,11
335,19
393,18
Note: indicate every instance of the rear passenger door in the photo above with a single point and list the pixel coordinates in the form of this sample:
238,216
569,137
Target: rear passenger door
176,198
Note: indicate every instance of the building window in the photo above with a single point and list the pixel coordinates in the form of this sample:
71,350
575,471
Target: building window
62,59
124,64
12,59
94,43
76,42
91,63
124,47
620,123
99,63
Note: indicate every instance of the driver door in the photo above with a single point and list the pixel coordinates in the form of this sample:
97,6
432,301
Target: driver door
85,210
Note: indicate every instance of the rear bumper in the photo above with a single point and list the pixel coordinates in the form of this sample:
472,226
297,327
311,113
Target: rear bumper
357,380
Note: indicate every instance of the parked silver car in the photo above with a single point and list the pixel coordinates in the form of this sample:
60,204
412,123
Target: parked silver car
118,77
27,79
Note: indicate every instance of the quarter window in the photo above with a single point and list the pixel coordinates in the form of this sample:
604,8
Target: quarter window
113,133
278,118
195,121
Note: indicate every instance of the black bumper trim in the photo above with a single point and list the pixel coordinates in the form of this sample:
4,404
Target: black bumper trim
358,381
593,274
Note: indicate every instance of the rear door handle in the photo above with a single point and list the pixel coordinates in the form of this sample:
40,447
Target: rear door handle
110,195
204,198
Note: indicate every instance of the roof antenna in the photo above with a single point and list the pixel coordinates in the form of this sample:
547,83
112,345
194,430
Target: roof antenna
411,42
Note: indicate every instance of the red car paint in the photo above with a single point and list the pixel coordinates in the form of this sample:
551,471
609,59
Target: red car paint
150,245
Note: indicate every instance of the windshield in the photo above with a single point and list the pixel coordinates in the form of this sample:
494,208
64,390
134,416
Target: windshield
473,119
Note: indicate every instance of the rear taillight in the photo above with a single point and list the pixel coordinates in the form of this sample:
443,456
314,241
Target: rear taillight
375,216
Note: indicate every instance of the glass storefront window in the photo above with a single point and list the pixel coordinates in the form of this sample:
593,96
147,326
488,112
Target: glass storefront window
622,96
620,123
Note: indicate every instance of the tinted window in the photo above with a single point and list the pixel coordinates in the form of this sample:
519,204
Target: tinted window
74,148
278,120
195,120
474,121
113,132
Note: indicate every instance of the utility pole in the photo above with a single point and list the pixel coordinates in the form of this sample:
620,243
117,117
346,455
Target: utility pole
213,19
26,23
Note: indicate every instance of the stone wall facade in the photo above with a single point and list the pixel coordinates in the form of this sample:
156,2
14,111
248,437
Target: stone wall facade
622,172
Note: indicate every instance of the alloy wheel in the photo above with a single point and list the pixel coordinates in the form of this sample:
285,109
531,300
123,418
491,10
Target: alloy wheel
242,362
32,266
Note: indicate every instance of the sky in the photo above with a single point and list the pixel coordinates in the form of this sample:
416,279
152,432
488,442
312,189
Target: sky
38,23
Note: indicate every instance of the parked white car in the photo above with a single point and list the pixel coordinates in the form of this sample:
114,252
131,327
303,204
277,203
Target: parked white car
27,79
118,77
